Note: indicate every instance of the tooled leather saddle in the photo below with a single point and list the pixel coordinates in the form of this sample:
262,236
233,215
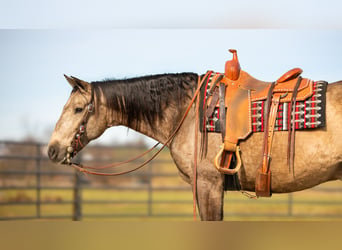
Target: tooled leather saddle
233,93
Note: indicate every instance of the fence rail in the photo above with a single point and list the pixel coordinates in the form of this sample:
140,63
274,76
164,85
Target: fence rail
33,188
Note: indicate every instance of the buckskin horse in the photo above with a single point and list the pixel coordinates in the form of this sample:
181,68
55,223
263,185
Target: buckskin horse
154,106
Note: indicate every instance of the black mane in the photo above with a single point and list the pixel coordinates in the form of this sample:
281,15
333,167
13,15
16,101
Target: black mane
144,98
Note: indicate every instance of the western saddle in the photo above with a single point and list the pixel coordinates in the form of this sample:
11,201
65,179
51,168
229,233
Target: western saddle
233,93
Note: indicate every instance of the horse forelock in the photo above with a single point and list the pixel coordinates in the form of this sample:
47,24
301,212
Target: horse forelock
145,98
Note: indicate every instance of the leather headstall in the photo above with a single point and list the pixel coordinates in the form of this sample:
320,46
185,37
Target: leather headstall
80,139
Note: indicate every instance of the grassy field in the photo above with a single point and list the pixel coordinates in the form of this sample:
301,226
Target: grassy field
174,205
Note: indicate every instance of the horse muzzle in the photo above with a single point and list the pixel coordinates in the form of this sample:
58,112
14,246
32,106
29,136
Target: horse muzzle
59,156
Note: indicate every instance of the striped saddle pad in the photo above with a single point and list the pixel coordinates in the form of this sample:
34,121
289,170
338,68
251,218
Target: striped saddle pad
309,114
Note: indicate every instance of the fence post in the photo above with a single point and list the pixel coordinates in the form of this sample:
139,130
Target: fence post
77,195
38,184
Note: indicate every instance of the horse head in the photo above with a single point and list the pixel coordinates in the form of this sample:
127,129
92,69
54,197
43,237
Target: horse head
78,123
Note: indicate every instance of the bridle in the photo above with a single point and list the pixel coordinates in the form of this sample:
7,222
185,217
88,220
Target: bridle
80,139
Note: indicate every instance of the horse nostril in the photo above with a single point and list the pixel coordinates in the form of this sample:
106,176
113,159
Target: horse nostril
53,153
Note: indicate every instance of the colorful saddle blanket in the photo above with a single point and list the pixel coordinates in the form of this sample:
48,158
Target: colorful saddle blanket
309,114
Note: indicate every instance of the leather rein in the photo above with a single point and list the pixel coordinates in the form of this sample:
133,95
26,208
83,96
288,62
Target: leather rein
80,139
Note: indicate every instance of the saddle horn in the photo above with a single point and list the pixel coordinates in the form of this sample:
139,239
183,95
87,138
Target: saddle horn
232,67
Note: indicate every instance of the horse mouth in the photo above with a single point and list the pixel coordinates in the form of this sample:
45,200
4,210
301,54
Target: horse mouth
65,161
69,155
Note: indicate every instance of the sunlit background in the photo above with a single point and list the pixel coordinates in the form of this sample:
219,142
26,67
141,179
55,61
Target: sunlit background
40,41
33,63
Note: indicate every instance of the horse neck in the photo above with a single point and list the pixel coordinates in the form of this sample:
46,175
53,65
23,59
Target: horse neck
160,130
168,103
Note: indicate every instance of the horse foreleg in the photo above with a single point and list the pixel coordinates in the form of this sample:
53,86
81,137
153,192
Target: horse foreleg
209,182
210,195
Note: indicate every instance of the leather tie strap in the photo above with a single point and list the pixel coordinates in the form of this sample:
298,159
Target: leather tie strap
292,127
222,110
214,100
266,116
263,175
272,119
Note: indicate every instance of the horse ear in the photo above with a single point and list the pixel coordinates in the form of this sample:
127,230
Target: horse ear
80,84
70,81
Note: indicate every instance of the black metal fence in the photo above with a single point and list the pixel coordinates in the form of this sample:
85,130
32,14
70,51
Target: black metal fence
26,159
31,187
24,166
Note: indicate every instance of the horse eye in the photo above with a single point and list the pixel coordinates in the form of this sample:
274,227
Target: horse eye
78,110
